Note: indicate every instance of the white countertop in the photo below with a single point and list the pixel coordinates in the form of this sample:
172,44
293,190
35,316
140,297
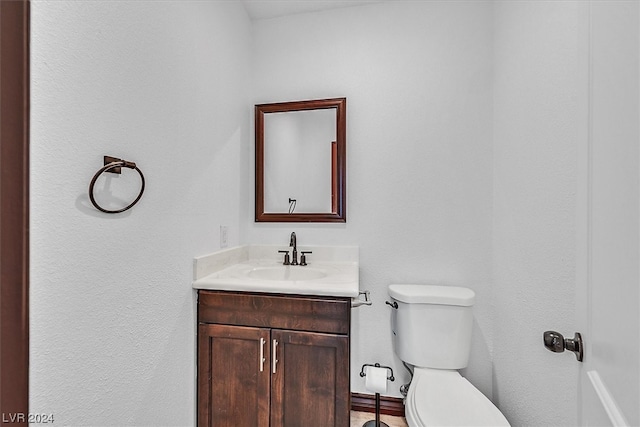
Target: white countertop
236,270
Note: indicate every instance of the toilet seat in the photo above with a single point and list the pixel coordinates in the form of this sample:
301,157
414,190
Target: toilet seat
439,397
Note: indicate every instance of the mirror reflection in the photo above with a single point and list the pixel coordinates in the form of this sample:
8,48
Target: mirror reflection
297,161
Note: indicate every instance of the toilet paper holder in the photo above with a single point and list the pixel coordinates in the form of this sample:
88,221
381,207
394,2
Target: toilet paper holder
377,365
376,422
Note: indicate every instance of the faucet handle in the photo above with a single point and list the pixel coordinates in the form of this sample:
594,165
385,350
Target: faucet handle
303,258
287,260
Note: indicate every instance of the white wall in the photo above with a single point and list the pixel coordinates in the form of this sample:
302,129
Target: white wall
164,84
538,121
417,78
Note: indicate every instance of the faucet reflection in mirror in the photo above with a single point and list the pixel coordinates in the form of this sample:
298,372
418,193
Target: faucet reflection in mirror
301,161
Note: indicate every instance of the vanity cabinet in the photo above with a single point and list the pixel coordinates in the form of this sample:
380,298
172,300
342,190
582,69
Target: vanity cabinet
273,360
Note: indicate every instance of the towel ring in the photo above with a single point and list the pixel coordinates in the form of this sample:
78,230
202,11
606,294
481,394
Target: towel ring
114,165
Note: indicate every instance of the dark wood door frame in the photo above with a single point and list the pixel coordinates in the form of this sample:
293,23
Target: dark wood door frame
14,214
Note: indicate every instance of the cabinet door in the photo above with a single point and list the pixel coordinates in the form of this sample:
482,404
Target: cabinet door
233,380
310,382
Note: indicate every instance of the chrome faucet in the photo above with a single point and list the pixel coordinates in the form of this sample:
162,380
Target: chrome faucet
293,243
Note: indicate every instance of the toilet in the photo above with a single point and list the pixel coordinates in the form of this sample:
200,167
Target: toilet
431,330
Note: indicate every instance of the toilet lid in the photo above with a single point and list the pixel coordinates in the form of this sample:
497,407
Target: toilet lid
445,398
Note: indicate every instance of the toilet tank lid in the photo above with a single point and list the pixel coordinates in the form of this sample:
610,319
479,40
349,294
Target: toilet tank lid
432,294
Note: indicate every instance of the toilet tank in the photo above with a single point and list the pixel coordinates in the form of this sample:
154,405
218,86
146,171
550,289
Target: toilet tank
431,326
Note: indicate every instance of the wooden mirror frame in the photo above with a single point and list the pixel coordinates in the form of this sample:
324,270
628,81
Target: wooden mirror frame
338,162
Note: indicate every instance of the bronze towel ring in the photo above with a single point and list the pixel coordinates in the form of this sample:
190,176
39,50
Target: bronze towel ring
115,165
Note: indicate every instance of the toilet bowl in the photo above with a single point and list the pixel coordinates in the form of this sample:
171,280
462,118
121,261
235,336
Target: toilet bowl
431,330
445,398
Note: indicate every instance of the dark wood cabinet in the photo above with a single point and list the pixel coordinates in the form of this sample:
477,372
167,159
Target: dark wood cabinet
231,387
273,360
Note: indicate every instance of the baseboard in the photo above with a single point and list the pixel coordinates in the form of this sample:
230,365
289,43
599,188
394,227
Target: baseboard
367,403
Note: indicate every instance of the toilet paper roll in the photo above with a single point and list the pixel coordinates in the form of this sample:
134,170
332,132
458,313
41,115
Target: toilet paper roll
376,379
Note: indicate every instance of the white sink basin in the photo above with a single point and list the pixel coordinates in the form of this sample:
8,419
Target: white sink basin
287,273
332,278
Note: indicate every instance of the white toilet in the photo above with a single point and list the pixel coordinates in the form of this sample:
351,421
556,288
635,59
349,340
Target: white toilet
431,327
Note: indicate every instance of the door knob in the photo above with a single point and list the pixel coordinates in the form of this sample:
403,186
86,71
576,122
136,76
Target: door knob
554,341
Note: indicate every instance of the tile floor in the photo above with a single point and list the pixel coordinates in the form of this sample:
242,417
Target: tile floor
359,418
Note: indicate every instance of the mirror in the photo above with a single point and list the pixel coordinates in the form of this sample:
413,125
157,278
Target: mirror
301,161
